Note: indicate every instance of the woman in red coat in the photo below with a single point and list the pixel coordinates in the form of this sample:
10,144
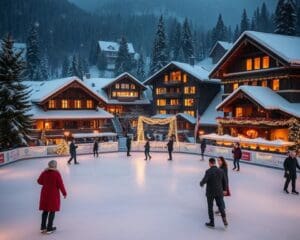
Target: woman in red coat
52,183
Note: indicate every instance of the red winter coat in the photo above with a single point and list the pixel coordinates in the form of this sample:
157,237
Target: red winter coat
52,183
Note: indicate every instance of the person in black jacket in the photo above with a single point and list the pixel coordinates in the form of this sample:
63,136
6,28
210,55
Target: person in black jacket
170,146
203,147
147,150
237,155
215,188
73,152
96,148
290,167
128,145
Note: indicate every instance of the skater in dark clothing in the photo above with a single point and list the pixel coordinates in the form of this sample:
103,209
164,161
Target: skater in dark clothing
96,148
170,146
147,150
237,155
128,145
290,167
52,185
215,188
73,152
203,147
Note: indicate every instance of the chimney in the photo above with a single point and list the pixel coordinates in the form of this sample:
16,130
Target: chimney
192,60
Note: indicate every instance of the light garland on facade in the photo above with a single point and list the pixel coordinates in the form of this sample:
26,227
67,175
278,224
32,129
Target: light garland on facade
62,148
253,121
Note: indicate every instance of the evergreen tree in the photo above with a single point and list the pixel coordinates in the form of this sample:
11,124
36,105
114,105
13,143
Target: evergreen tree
219,31
159,52
187,41
175,41
264,21
298,20
33,55
80,68
73,70
245,25
93,53
140,69
15,121
44,68
102,61
285,17
65,67
124,62
236,33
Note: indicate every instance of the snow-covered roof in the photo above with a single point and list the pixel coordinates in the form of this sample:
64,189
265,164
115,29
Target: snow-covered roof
225,45
207,63
114,46
267,98
38,113
124,75
197,71
210,114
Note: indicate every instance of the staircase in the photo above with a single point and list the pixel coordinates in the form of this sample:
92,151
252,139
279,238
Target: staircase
117,126
122,144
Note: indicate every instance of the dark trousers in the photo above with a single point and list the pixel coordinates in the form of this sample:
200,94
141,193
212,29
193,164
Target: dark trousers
202,154
170,154
236,163
96,152
147,154
47,216
287,182
210,204
128,150
73,156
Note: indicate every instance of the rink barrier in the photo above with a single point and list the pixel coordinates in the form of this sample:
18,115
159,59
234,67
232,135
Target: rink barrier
251,157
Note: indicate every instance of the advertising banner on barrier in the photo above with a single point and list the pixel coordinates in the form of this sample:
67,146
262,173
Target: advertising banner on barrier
2,159
246,156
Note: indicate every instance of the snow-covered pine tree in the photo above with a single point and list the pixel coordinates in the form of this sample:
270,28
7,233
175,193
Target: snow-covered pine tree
65,67
44,68
236,33
187,41
219,31
140,69
81,72
33,55
15,121
73,70
102,61
285,17
159,56
124,61
245,24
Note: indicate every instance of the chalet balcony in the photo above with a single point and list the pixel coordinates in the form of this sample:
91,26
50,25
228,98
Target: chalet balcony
171,95
252,121
172,82
171,107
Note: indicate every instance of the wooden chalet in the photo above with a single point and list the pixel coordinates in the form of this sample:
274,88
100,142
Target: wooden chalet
219,50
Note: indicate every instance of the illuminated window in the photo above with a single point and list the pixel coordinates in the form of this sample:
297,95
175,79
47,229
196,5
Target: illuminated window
176,76
124,94
174,102
264,83
89,104
190,90
132,86
235,86
162,112
266,62
239,112
48,125
189,102
257,63
254,83
51,104
166,79
192,113
161,102
117,86
160,91
249,64
77,104
275,84
185,78
64,103
125,86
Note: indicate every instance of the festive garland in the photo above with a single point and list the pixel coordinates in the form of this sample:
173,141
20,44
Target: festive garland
254,121
62,148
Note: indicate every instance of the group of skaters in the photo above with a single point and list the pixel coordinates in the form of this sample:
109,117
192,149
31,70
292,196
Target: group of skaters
215,179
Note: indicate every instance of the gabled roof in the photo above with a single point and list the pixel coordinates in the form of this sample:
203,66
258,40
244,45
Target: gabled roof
125,74
211,113
225,45
41,90
266,98
196,71
284,47
114,46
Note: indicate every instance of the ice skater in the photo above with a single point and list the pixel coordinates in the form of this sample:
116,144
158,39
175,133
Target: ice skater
215,189
147,150
203,147
73,153
52,185
237,155
290,167
128,145
170,146
96,148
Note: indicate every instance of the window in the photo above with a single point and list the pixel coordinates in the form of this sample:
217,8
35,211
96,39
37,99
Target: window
254,83
174,102
190,90
185,78
192,113
235,86
51,104
64,103
160,91
189,102
125,86
249,64
89,104
256,63
161,102
124,94
176,76
132,86
239,112
264,83
162,112
266,62
77,104
117,86
275,84
166,79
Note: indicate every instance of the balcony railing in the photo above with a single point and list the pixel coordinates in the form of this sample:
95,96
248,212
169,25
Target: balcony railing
172,82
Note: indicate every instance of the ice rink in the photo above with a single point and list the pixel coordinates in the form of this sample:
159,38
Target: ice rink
115,197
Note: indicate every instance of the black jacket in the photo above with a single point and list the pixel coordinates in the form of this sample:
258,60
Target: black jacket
147,146
170,145
203,146
215,181
73,148
96,146
128,141
225,170
237,153
291,164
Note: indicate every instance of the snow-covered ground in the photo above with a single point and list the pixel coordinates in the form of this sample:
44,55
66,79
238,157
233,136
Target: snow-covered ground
115,197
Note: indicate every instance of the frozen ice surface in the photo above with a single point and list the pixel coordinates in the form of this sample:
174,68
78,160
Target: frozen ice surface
115,197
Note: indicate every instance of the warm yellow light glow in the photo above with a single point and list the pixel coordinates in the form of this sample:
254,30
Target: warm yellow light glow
249,64
174,102
51,104
190,90
166,78
235,86
275,84
66,133
266,62
264,83
189,102
239,112
192,113
161,102
185,79
47,125
64,103
176,76
162,112
77,103
89,104
257,63
160,91
124,94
